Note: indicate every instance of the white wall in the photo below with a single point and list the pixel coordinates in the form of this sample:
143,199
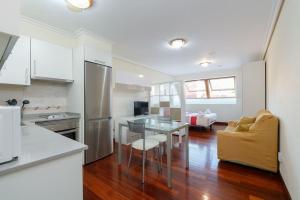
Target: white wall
42,31
10,16
283,70
225,112
253,87
123,99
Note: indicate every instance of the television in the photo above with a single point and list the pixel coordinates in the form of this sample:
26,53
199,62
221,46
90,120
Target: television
141,108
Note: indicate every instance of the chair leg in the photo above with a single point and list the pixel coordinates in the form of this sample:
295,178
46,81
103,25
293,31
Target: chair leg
161,152
129,161
154,153
146,156
180,138
157,154
143,176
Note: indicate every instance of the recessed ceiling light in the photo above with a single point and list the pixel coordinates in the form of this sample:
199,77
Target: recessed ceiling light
80,4
177,43
205,63
141,76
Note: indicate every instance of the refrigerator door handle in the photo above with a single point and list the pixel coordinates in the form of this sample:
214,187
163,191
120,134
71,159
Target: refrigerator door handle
100,118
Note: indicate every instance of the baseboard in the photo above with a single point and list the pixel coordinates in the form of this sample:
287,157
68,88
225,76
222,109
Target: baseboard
221,123
285,188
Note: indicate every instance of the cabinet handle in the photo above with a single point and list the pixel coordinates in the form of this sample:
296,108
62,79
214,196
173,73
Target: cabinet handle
26,76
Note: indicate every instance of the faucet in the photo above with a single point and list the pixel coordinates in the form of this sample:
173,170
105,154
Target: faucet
23,105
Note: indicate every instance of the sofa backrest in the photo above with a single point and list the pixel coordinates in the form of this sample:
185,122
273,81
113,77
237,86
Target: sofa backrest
262,111
265,123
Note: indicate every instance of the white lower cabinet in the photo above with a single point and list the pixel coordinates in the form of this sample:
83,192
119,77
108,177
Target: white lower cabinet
50,61
16,69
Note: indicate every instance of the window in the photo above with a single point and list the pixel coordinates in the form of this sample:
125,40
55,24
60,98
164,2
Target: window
195,90
211,91
222,87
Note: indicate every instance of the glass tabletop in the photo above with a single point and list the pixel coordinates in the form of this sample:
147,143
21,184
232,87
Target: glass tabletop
155,123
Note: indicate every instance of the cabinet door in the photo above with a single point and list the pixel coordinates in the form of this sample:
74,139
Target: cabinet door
50,61
16,69
98,55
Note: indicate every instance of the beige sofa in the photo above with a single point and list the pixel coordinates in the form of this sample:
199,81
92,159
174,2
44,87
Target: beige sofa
251,141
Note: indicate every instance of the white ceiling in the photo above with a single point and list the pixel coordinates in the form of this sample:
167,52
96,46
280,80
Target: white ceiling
231,32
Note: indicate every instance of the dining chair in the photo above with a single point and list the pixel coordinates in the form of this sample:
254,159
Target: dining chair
141,143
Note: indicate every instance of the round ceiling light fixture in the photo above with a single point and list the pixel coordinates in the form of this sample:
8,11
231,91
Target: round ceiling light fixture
205,63
177,43
80,4
141,76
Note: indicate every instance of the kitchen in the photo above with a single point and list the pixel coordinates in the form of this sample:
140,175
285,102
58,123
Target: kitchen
44,69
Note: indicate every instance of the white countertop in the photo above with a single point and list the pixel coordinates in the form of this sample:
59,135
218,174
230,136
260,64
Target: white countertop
40,145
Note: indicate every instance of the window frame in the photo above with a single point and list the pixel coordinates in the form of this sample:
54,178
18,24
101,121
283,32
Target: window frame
208,88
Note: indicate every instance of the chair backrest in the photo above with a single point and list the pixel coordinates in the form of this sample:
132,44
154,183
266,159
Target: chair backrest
136,131
136,127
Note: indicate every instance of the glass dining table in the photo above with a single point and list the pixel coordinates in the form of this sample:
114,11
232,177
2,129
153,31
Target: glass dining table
162,126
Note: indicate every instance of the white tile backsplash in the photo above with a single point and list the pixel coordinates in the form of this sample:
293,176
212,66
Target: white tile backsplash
44,96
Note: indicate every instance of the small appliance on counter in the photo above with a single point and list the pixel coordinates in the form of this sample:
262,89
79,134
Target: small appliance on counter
10,133
12,102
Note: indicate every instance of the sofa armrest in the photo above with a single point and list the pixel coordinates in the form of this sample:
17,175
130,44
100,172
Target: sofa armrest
235,144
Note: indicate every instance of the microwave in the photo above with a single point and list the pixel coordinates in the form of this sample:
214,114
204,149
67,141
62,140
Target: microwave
10,133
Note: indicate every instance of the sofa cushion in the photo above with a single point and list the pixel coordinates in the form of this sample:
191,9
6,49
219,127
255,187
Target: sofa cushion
246,120
263,117
261,122
243,127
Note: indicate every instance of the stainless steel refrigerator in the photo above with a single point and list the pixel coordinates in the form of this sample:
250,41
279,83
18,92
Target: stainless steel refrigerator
98,123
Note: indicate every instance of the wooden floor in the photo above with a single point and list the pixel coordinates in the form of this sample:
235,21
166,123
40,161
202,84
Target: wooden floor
206,179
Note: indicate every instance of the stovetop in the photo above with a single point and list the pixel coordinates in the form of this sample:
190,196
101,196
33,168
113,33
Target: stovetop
55,116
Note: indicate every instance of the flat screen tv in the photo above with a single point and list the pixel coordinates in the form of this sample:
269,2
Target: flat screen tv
141,108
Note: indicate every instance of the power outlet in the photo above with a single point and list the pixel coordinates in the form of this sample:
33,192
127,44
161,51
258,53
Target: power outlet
280,157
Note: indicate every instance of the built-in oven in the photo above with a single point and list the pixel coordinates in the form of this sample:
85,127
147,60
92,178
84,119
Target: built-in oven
66,127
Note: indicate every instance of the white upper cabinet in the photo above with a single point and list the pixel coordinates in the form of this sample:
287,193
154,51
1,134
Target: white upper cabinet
16,69
50,61
98,55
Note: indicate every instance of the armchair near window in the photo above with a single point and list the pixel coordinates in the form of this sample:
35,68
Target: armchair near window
257,147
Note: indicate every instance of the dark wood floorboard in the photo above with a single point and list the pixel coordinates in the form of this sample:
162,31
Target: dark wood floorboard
206,179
